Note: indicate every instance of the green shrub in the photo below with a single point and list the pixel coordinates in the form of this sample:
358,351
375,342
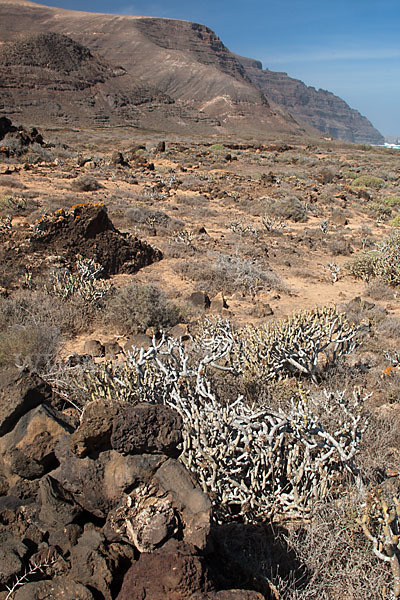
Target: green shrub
392,201
379,210
369,181
134,308
382,262
395,222
217,148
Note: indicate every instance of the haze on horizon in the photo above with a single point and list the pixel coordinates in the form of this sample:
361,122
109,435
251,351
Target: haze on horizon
349,47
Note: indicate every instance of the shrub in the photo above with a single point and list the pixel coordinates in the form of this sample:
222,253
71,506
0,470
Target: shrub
230,274
287,208
217,148
392,201
84,282
369,181
382,262
294,346
395,222
134,308
254,462
381,211
86,183
29,330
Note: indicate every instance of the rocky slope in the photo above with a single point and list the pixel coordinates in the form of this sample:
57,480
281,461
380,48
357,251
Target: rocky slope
49,77
213,90
183,60
319,108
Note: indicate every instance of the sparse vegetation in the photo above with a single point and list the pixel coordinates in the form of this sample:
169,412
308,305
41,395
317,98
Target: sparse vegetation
270,432
134,308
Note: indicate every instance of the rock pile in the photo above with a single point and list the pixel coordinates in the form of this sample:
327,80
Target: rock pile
84,231
15,141
98,506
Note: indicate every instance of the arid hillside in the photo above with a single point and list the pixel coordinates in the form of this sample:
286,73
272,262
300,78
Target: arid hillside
199,366
214,90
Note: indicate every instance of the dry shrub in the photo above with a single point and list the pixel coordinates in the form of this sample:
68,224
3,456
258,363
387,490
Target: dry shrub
29,331
378,290
86,183
337,557
230,274
134,308
32,324
338,245
287,208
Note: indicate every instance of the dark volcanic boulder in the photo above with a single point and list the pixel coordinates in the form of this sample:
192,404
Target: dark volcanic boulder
147,428
19,393
59,587
28,450
86,230
175,572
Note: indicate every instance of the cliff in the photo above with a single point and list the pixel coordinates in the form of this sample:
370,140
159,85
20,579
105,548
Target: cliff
319,108
179,73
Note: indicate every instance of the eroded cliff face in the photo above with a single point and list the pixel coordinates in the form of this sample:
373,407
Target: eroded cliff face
319,108
163,74
185,61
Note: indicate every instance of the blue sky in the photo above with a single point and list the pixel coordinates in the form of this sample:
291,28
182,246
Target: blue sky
349,47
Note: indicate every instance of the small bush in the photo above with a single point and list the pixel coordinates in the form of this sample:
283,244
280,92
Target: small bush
395,222
392,201
86,183
382,262
217,148
369,181
287,208
381,211
135,307
29,330
231,274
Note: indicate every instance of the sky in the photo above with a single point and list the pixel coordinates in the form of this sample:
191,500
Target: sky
349,47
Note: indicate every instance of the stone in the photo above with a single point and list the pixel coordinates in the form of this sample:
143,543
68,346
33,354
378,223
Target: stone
93,348
139,340
98,485
191,502
200,299
28,450
57,506
95,428
160,146
147,428
117,158
59,587
229,595
12,554
20,393
147,518
90,564
218,303
175,572
111,349
179,332
262,309
65,537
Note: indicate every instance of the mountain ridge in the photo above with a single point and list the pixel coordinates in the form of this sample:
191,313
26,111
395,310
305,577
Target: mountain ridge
184,61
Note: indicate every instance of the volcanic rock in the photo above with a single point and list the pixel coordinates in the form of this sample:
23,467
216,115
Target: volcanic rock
147,429
19,393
